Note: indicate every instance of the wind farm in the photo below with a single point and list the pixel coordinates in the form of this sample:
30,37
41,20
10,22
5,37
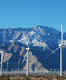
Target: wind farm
25,54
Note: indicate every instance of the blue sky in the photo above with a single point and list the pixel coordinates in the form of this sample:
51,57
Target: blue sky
27,13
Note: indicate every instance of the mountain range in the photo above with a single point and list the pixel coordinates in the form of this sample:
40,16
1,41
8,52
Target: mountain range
44,53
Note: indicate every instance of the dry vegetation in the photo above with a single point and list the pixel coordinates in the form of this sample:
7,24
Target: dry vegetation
49,77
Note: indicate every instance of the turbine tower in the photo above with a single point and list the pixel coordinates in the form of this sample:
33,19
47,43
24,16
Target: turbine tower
27,73
1,52
61,46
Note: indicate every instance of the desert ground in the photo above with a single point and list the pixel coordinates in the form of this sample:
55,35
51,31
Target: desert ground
49,77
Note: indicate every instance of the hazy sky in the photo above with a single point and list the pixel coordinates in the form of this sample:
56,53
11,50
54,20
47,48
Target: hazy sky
26,13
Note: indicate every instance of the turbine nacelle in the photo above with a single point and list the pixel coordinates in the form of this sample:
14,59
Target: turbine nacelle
1,52
28,49
60,45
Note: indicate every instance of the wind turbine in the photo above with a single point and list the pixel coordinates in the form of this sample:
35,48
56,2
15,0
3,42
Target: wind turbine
25,38
27,54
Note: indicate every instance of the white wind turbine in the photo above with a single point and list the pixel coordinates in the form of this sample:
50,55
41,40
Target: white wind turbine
25,38
27,54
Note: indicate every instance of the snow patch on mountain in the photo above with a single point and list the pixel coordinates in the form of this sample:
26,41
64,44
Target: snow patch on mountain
38,43
31,33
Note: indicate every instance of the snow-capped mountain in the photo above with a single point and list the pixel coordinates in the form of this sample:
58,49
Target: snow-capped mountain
43,43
